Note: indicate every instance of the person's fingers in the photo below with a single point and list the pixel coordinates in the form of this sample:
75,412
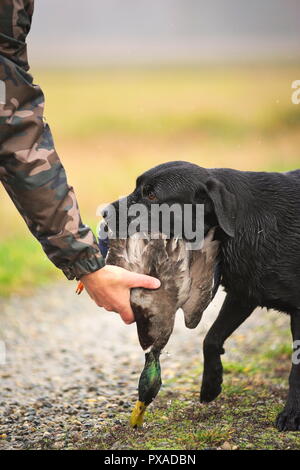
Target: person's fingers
142,280
110,288
109,309
126,314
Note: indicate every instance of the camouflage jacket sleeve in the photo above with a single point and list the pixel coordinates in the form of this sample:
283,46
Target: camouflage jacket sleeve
30,169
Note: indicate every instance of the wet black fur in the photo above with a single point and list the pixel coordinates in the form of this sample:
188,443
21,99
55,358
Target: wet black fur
258,215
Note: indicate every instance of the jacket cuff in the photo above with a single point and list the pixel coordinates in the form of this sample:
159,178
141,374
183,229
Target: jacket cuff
83,266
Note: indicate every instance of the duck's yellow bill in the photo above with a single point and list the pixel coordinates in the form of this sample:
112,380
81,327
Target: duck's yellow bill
137,415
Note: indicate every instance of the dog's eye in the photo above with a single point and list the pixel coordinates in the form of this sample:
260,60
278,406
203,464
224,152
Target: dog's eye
151,195
148,193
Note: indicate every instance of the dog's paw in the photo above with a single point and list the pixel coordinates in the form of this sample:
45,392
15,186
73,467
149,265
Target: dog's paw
210,389
288,420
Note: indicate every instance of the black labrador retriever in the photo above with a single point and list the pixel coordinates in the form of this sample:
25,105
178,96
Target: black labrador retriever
258,215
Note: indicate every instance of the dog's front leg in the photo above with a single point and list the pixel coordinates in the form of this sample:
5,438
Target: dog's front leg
289,418
231,316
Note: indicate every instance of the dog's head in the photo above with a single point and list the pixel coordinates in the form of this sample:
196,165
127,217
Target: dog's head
182,183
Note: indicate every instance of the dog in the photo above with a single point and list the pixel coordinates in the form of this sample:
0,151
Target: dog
258,220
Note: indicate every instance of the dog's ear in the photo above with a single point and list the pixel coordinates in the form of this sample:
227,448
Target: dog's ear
224,204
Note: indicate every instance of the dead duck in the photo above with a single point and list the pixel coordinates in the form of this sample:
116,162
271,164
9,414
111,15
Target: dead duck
188,281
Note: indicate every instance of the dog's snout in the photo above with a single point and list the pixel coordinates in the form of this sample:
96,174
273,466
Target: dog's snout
108,212
104,213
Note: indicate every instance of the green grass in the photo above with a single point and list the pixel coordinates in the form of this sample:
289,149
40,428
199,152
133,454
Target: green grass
283,351
23,266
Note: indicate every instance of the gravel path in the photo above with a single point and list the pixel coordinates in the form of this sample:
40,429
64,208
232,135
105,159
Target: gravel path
71,366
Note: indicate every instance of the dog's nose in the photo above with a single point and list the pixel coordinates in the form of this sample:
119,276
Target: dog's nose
108,212
104,213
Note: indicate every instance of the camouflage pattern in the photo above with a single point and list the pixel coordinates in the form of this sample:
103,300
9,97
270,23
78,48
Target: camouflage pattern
30,168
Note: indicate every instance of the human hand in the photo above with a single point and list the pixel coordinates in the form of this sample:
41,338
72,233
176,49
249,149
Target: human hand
110,288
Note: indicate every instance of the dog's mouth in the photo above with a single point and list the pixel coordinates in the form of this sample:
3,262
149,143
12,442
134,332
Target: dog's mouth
103,238
108,230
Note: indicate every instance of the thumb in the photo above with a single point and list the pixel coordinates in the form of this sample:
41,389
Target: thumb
142,280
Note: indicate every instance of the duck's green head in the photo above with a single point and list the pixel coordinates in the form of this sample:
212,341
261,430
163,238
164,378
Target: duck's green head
149,386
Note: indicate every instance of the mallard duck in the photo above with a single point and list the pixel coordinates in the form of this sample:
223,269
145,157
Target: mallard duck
188,281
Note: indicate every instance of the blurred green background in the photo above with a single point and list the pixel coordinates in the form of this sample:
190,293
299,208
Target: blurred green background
112,121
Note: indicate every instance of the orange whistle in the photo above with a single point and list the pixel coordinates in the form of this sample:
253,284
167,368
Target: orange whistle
79,288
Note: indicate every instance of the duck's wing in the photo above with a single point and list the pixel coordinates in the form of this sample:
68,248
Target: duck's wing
155,309
202,274
116,253
128,253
